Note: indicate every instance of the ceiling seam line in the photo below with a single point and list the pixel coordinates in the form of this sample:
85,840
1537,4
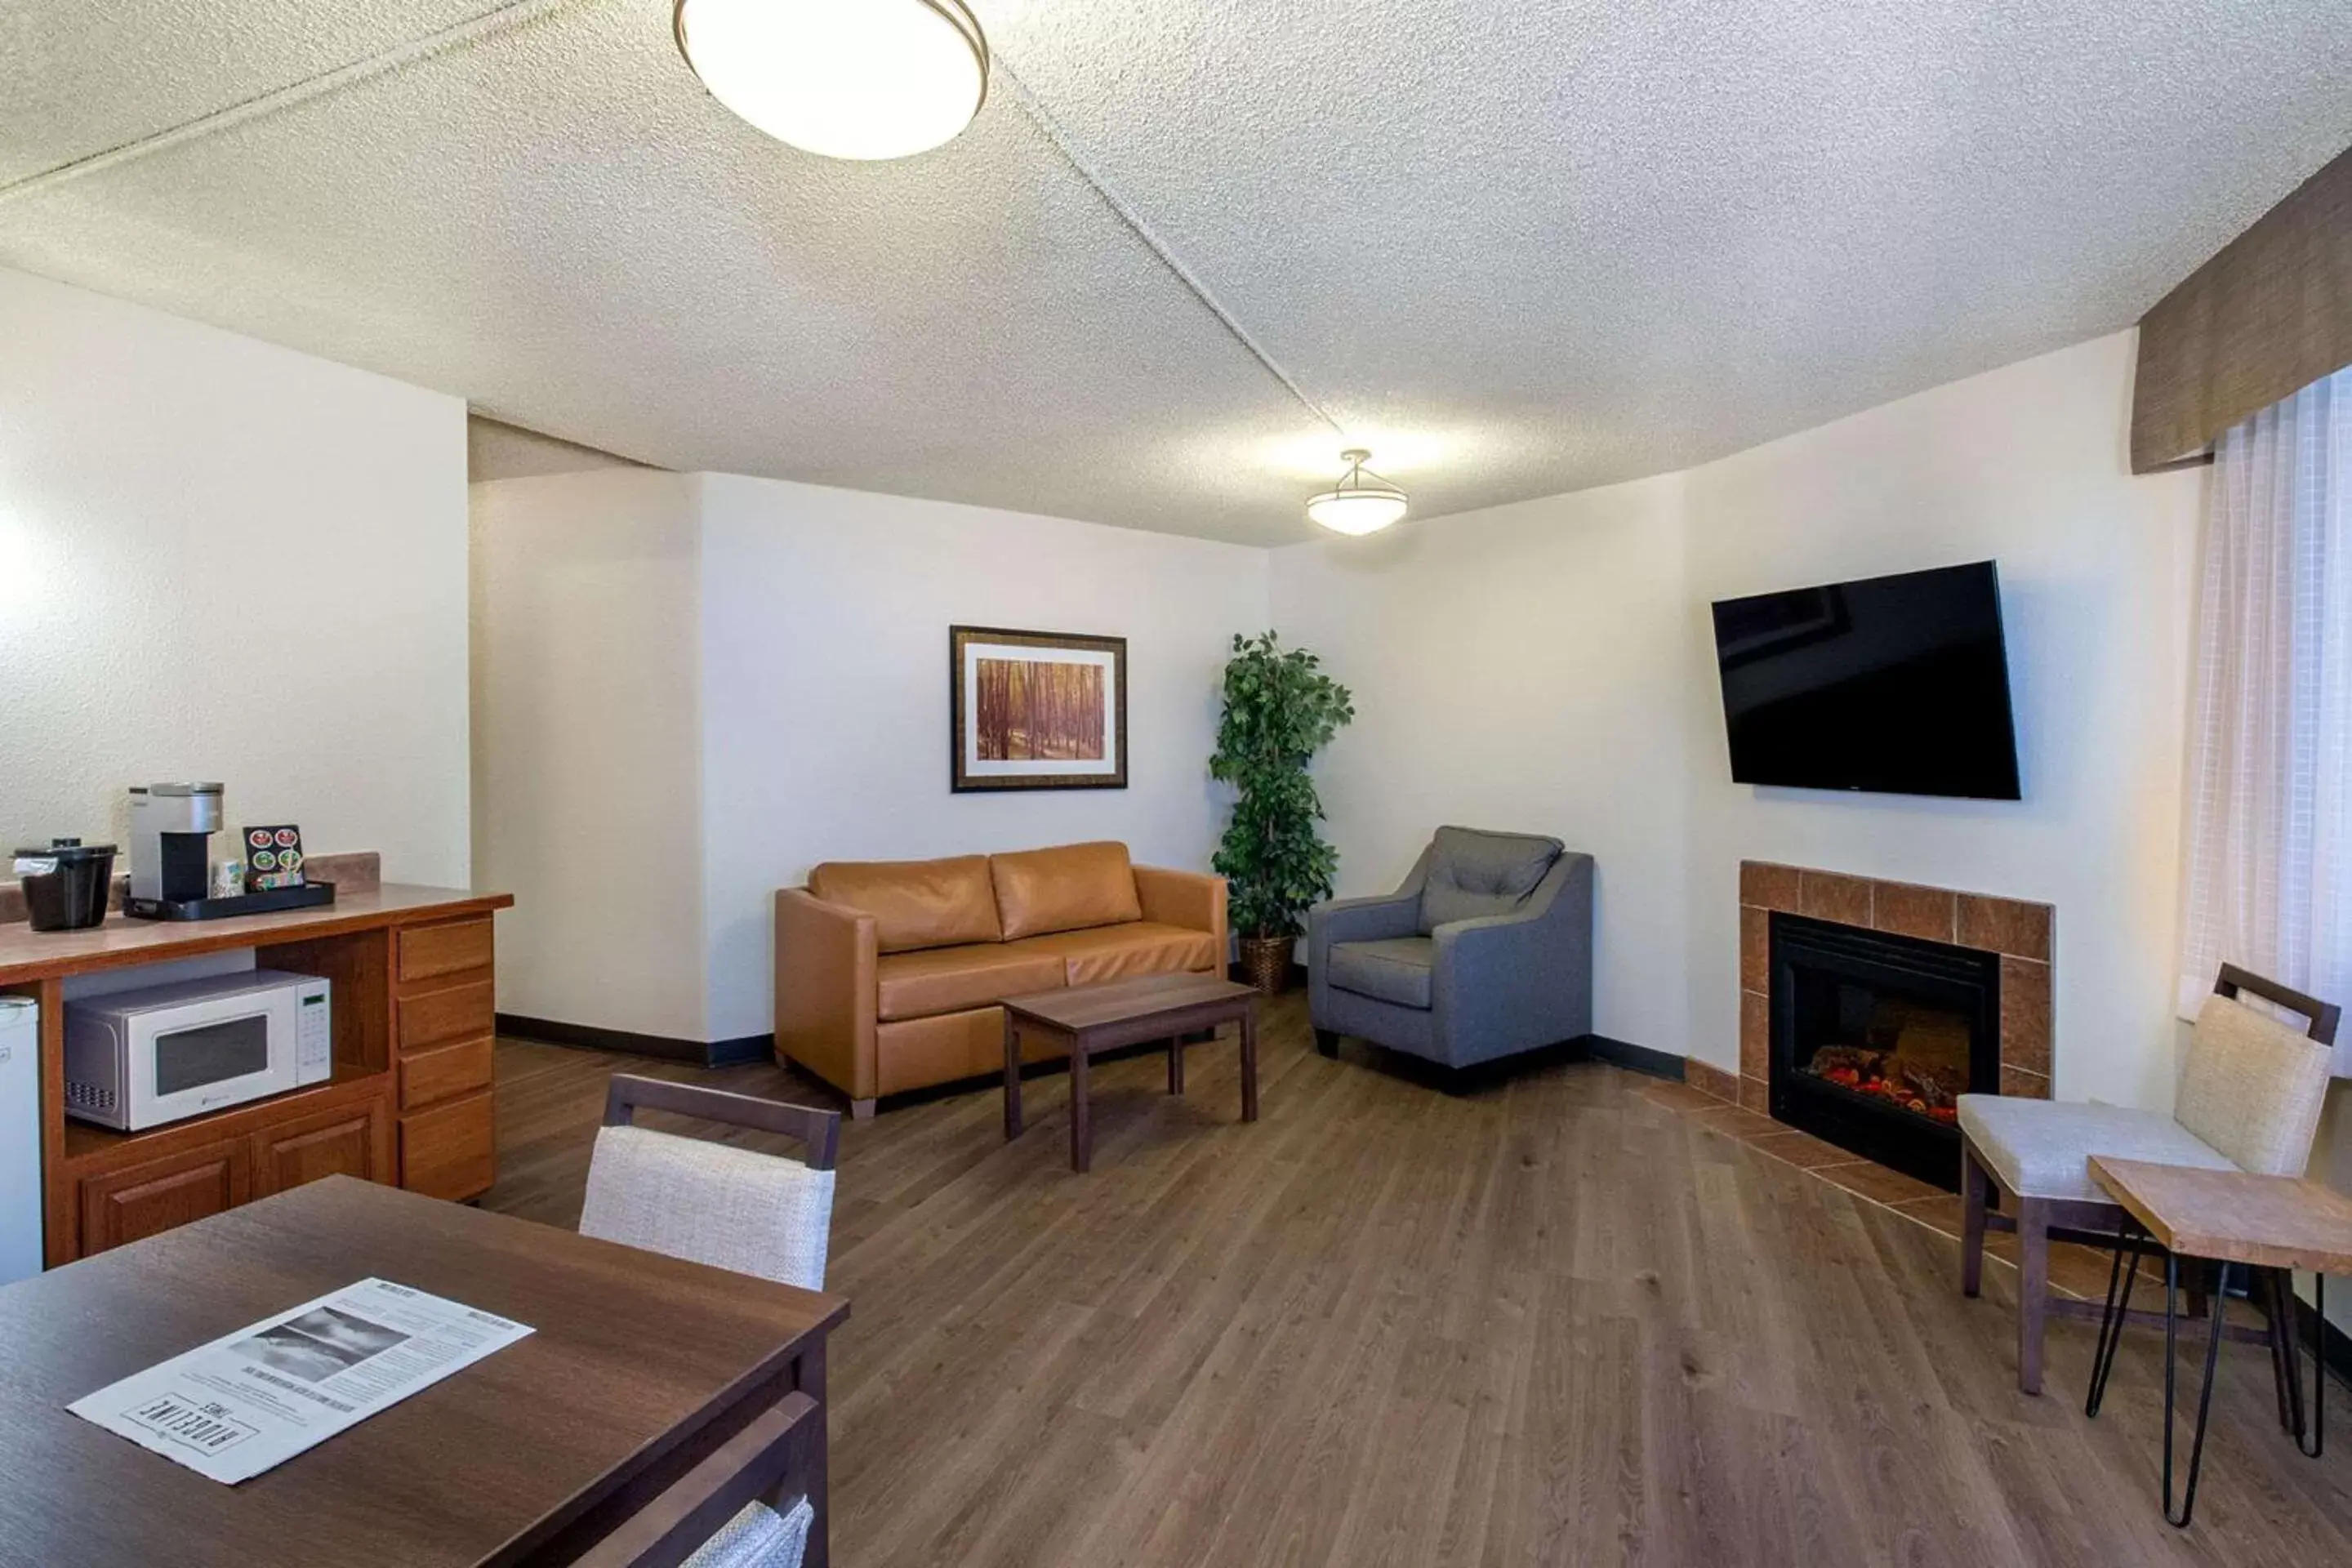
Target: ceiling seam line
458,36
1042,119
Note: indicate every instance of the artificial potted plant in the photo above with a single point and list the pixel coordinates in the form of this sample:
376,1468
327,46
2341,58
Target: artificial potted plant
1280,709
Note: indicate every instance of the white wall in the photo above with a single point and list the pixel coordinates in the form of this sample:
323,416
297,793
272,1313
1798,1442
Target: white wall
825,616
587,792
1549,666
2026,466
222,559
692,688
1523,668
496,450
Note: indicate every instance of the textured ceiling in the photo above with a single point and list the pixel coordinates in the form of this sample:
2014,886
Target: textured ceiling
1515,249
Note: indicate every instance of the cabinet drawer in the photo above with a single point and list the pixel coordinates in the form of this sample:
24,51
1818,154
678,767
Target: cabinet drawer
428,1077
426,951
462,1012
447,1152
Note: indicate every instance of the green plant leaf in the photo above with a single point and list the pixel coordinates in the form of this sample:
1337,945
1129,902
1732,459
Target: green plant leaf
1280,709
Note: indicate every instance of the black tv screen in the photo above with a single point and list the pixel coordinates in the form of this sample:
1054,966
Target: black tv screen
1897,685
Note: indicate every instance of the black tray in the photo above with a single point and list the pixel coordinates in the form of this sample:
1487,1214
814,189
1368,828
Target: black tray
307,897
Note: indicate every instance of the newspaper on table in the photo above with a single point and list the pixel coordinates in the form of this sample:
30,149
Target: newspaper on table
253,1399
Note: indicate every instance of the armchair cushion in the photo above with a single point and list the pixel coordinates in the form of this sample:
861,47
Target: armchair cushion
1396,970
1474,873
2043,1148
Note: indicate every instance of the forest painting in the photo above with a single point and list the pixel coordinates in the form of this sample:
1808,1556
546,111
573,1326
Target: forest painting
1036,710
1030,708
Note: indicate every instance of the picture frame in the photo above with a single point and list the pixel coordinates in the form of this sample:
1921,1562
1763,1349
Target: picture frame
1031,709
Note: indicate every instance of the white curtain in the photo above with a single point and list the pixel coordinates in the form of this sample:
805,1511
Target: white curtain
2269,882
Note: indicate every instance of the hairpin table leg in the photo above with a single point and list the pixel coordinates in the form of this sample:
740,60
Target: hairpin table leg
2318,1363
2117,1313
2219,1309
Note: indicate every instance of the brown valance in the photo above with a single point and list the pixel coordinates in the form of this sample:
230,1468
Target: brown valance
2266,317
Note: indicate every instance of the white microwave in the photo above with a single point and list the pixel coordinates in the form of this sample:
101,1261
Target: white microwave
136,1059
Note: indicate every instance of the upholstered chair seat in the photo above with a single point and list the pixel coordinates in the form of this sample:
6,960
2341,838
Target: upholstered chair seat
2043,1148
1397,970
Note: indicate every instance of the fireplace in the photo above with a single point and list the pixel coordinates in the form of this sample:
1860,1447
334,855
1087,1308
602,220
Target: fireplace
1874,1034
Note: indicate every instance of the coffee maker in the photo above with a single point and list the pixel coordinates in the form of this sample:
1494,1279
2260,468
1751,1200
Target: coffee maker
172,825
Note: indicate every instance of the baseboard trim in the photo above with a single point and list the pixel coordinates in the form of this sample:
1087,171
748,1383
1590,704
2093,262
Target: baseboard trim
627,1042
1633,1057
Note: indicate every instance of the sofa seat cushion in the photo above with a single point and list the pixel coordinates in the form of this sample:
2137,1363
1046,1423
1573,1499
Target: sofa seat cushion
914,903
1122,952
1474,873
1070,888
1397,970
949,979
2043,1148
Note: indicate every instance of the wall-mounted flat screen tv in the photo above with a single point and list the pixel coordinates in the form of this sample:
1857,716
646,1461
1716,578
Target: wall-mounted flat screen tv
1897,685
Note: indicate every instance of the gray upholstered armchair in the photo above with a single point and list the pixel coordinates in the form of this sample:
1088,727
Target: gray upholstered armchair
1486,950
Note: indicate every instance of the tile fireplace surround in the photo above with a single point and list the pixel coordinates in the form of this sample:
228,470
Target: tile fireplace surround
2021,934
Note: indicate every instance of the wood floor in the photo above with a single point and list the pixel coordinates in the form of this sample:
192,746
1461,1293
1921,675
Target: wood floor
1555,1320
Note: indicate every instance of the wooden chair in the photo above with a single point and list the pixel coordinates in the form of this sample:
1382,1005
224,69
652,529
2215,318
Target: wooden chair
2250,1097
714,1203
739,1508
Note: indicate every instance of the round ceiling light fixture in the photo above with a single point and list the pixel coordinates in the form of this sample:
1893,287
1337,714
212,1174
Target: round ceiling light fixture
846,78
1361,502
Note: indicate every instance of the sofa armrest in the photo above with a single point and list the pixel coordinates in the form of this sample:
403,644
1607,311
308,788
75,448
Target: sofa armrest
1192,899
1526,976
826,992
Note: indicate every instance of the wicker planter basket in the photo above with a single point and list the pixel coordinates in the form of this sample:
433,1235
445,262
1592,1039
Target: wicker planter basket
1265,962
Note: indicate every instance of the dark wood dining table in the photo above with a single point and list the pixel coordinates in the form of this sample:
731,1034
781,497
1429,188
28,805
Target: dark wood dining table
640,1364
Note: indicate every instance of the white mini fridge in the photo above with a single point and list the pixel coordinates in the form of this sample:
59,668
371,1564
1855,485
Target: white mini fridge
20,1138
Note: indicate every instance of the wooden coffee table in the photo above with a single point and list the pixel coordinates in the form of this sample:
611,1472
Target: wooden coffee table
1090,1018
2267,1226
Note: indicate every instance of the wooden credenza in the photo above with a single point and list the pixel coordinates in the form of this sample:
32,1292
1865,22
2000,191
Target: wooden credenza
410,1102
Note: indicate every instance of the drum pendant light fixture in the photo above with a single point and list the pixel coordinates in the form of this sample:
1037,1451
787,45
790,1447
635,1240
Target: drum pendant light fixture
1361,502
846,78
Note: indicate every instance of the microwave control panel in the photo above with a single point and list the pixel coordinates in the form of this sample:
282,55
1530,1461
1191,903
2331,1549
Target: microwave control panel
314,1035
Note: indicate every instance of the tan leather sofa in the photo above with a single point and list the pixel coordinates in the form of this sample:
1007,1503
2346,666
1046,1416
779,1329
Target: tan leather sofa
888,971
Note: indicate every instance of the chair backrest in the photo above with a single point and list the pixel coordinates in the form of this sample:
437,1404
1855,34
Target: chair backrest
2253,1086
729,1510
1473,872
714,1203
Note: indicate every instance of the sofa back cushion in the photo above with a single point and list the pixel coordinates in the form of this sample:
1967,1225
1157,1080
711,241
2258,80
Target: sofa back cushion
1474,873
1068,888
914,903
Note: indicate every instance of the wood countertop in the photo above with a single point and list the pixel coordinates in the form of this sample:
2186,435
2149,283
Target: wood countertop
28,954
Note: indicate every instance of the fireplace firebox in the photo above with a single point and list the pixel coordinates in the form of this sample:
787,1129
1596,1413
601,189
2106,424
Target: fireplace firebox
1874,1035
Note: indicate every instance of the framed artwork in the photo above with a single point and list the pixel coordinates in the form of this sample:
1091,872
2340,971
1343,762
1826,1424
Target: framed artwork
1036,710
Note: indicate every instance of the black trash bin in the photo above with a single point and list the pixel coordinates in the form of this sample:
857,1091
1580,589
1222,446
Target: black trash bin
66,884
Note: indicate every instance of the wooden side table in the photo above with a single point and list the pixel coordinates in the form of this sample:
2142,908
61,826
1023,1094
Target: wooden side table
2267,1225
1090,1018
